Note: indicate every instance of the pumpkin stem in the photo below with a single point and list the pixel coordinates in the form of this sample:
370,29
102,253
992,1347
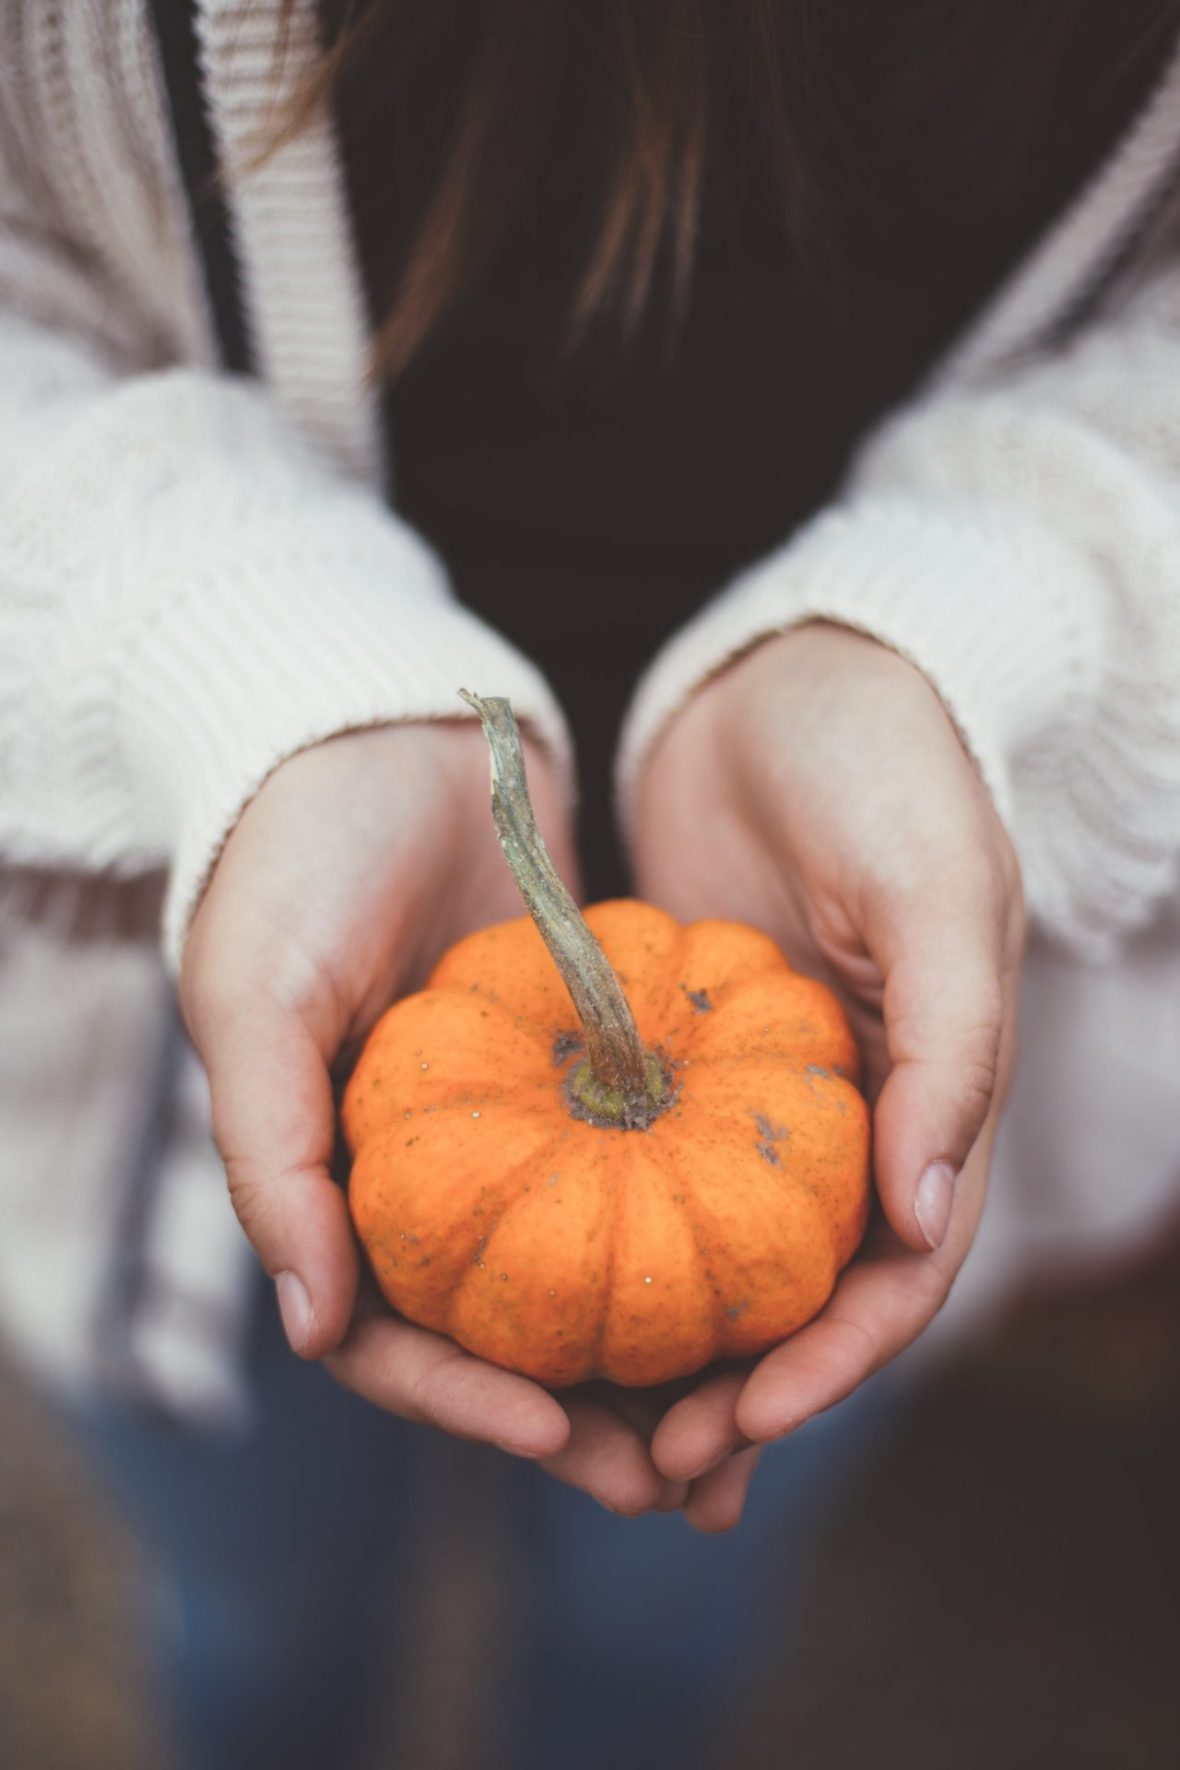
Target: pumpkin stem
621,1083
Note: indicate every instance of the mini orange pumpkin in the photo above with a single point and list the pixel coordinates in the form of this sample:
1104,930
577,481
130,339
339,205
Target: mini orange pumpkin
625,1198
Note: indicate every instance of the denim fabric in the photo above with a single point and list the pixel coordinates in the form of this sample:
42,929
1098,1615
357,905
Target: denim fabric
280,1551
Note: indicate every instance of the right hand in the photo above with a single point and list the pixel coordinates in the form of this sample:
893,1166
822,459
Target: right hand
356,865
817,789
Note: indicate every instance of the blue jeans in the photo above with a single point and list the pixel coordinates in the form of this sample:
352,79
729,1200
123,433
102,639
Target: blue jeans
281,1551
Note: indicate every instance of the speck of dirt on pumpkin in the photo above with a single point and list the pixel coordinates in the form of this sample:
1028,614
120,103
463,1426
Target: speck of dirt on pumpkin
736,1311
475,1115
769,1135
699,999
552,1180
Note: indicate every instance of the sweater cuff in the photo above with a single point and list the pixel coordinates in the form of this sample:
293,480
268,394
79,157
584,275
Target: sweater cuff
986,603
242,669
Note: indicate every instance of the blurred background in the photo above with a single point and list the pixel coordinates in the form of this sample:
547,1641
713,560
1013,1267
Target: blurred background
999,1585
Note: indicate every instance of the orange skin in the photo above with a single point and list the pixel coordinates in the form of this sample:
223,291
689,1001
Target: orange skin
566,1250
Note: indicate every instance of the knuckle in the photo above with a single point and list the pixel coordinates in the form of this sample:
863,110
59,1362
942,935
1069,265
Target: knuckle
249,1201
259,1209
976,1096
932,1285
437,1389
968,1043
976,1045
978,874
976,1067
415,1398
855,1350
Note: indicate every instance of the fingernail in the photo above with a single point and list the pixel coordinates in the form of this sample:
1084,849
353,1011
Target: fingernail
294,1309
936,1195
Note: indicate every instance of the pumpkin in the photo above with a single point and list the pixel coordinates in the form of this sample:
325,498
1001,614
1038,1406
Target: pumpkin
622,1185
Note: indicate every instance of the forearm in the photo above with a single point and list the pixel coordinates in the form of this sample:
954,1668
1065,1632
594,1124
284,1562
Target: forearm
191,596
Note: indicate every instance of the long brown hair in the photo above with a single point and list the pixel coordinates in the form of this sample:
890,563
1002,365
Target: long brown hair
658,63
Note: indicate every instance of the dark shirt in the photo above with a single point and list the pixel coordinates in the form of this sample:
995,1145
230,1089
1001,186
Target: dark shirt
587,504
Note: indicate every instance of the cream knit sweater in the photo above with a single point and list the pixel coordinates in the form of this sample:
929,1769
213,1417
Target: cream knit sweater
198,576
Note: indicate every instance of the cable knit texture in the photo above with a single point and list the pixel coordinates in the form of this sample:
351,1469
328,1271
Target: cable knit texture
198,578
1020,543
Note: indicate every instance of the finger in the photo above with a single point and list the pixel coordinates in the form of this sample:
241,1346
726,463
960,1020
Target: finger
643,1409
701,1430
420,1376
880,1305
716,1502
947,980
274,1125
608,1459
675,1494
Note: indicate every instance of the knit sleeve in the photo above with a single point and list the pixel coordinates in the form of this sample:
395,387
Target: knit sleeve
189,593
1020,543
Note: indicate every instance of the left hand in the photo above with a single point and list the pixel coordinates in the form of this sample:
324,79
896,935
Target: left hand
818,790
357,863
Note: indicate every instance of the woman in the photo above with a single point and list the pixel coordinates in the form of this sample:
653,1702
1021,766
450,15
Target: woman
635,281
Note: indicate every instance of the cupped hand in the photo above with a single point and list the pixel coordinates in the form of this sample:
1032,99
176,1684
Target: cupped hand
818,790
358,862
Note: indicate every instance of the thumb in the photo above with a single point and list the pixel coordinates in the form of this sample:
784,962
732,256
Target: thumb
944,1010
273,1120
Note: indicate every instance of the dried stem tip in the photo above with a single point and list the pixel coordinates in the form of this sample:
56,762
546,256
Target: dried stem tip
621,1083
